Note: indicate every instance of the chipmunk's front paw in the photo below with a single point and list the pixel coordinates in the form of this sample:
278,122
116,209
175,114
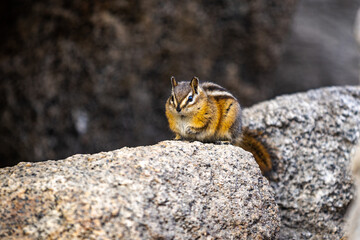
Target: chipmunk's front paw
190,131
223,142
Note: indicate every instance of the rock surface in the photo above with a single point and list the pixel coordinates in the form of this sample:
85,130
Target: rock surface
176,189
312,135
172,190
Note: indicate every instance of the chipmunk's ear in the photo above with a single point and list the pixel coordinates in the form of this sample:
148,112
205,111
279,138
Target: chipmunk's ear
173,82
195,85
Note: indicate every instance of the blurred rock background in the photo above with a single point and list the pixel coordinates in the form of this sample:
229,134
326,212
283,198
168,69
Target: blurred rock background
89,76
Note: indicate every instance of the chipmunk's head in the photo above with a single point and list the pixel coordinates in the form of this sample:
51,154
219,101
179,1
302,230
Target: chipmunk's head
186,97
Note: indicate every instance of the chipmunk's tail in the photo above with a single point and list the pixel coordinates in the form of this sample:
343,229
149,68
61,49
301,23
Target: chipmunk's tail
261,151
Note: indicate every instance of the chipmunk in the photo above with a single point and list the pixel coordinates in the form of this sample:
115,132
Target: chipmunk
207,112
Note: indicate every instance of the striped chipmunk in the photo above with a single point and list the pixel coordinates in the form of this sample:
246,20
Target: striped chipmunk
207,112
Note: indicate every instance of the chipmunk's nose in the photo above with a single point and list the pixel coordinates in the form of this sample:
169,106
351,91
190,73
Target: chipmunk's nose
178,109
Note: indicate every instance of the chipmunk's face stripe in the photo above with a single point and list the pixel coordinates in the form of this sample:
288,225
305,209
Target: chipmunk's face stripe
172,100
185,102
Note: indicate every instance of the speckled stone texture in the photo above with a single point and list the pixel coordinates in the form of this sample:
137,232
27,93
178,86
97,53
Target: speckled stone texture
312,135
172,190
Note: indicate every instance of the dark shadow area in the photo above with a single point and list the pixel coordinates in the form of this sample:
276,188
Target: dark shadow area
89,76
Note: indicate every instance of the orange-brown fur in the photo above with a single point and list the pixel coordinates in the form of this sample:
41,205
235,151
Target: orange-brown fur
209,119
212,114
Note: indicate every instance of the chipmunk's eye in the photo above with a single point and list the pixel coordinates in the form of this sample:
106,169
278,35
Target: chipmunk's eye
172,98
190,98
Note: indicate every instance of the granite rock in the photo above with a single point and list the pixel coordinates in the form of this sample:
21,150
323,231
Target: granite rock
172,190
311,135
